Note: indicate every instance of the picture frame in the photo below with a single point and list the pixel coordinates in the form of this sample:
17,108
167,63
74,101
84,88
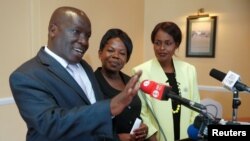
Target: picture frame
201,35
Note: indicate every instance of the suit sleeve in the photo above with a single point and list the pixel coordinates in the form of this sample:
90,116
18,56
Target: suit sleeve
42,112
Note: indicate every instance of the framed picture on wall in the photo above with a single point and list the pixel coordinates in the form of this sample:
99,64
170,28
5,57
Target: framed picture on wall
201,34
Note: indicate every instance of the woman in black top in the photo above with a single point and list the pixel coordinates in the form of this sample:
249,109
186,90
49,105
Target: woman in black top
114,52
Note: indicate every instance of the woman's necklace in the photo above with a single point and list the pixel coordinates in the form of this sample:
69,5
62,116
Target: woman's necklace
177,109
175,85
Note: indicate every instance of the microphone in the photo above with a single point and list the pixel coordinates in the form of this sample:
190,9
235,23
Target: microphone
199,129
193,132
194,129
163,92
230,80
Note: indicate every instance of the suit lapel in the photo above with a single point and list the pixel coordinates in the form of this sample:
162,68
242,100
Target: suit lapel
58,70
157,72
89,71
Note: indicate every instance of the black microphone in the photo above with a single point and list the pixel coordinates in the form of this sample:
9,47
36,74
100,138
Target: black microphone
163,92
229,80
198,129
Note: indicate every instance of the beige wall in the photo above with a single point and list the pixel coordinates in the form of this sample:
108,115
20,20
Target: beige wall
232,42
15,48
24,30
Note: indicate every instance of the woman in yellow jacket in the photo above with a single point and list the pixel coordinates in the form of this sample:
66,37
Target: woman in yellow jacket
173,118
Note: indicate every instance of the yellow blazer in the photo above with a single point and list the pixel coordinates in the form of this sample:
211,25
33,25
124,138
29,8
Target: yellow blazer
186,76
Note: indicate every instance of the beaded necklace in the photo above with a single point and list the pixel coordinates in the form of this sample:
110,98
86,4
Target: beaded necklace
175,87
177,109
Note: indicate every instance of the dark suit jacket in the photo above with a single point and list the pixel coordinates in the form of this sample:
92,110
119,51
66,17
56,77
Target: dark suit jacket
54,106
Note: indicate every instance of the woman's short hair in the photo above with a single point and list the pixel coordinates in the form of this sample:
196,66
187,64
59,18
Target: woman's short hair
117,33
168,27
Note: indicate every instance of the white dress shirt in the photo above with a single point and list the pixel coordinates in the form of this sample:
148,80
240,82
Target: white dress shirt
78,73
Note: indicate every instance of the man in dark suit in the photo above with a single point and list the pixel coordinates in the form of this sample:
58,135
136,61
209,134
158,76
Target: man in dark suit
54,105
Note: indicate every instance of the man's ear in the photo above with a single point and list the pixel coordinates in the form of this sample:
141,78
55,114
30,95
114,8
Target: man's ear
52,30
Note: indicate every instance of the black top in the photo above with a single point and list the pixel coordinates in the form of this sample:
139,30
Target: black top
176,116
123,122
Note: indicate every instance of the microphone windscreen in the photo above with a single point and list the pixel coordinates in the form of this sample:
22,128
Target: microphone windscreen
148,86
217,74
193,132
154,89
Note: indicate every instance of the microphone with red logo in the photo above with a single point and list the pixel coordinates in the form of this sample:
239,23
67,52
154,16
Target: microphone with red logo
155,90
163,92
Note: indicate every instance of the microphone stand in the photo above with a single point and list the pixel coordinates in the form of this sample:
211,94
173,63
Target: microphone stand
236,104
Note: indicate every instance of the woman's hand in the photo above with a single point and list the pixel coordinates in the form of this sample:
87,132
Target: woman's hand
126,137
141,132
